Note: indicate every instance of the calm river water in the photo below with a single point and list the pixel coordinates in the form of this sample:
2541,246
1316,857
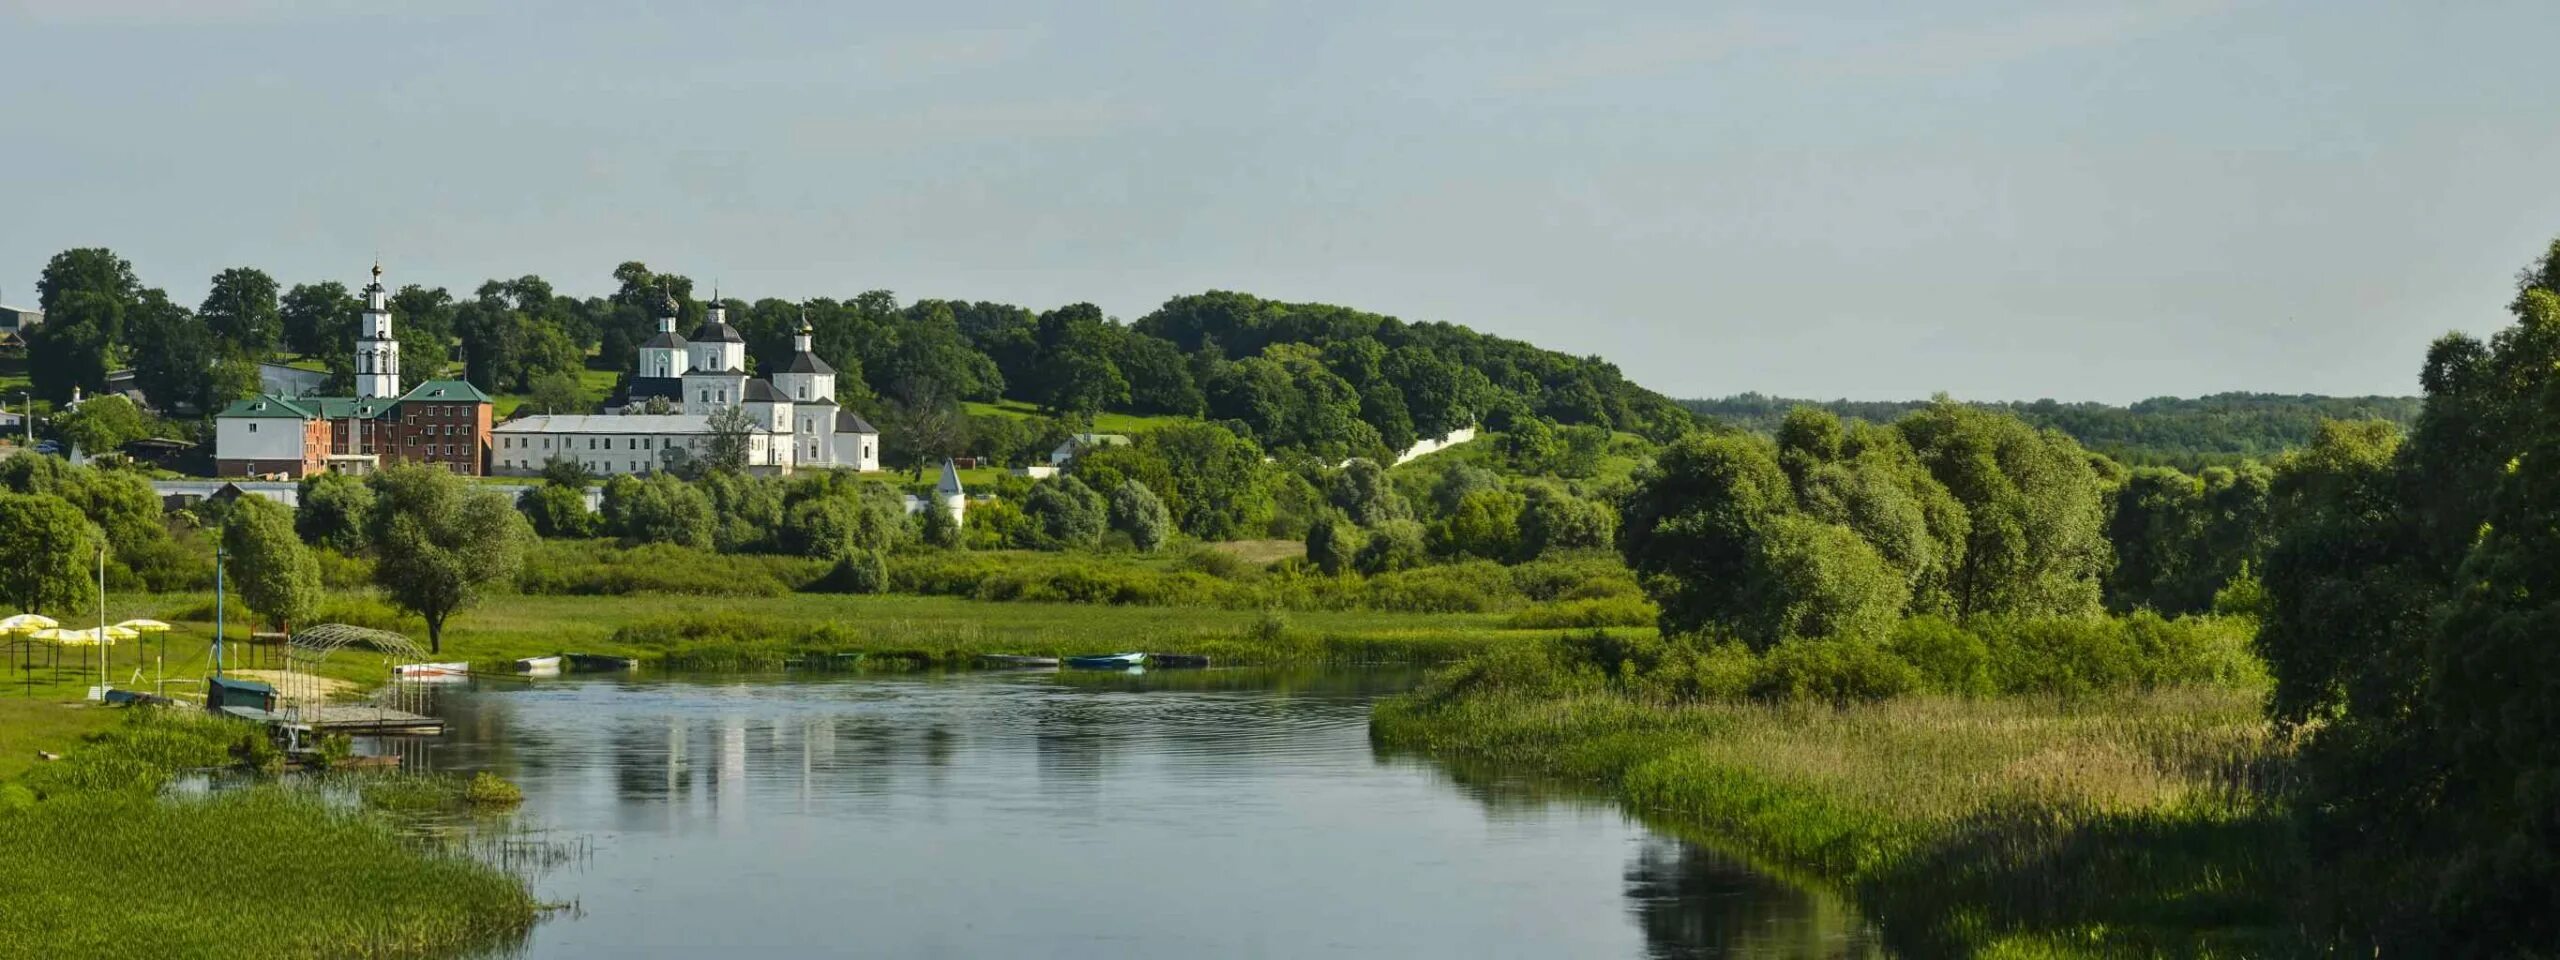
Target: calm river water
1186,814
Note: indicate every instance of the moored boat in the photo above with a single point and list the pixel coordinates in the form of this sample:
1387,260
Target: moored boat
431,671
1113,661
598,663
539,666
1014,660
1191,661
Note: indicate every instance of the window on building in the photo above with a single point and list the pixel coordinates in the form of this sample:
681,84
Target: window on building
804,391
253,426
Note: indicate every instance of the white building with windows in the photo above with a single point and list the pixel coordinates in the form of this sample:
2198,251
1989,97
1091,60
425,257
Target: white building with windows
670,403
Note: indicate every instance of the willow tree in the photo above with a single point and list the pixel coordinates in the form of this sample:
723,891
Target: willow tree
274,571
439,543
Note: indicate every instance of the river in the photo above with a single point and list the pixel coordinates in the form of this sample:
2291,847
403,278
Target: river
1178,814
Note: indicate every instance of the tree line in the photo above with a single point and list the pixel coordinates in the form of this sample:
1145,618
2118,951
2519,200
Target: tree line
2222,429
1329,381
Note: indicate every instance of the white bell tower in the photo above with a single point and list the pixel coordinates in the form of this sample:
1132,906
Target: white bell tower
377,354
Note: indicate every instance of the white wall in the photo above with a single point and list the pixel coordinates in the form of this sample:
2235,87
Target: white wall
603,454
257,438
1424,447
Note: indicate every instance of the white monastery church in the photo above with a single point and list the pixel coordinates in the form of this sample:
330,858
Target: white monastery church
670,400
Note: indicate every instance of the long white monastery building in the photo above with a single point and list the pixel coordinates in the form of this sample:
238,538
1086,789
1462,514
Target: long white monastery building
797,424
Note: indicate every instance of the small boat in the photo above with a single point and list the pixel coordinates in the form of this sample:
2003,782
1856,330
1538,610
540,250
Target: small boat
539,666
1014,660
1114,661
431,671
1190,661
598,663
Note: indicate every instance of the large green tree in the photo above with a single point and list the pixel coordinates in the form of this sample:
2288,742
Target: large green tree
241,310
440,543
2409,627
314,315
51,548
274,572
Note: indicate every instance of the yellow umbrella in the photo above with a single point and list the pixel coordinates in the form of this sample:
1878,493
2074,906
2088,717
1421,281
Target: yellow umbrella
58,635
90,637
26,623
144,626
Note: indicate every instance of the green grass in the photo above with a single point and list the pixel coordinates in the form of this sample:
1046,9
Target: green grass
101,866
1106,422
28,725
2126,825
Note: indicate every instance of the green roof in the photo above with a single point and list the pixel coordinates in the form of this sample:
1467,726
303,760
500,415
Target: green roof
264,405
344,408
450,391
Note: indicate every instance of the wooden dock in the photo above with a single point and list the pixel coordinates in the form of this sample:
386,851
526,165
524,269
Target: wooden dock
364,718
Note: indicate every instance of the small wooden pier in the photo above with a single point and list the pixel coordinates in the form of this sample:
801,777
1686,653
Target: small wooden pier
347,718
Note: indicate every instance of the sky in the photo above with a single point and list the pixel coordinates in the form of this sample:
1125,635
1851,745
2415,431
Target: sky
1998,200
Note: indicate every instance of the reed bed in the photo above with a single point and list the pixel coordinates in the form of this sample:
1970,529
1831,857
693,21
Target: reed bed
2131,824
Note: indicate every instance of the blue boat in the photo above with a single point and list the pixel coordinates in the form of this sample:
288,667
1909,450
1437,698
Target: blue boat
1115,661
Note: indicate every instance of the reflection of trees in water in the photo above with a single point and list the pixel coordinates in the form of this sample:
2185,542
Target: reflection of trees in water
1692,901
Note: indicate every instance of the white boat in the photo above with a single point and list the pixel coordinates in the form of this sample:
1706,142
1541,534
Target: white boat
427,671
539,666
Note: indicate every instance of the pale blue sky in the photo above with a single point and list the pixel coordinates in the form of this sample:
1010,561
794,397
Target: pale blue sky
2000,200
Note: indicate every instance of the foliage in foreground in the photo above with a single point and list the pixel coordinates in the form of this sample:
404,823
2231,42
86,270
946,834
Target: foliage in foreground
95,863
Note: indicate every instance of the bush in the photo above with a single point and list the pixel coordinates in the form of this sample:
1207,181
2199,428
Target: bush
1064,513
1831,671
489,790
2056,657
1136,511
1950,659
1572,614
859,571
1454,588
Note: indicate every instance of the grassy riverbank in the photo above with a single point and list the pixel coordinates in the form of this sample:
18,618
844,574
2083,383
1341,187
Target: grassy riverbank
2113,825
95,863
757,632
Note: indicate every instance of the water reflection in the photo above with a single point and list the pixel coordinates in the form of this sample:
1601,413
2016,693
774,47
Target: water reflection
1172,814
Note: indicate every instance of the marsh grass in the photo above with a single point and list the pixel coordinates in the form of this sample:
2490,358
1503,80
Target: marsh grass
2137,824
102,864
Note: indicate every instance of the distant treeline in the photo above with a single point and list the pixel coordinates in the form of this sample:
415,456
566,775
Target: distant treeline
2223,428
1326,381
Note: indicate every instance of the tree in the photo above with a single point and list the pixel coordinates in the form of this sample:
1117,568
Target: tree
659,509
1554,520
1532,446
439,543
1692,525
316,316
557,511
819,527
241,310
1360,490
274,572
939,527
1486,524
1212,481
1136,511
1394,545
85,270
560,392
731,442
181,363
332,510
1064,513
1333,543
79,341
2036,536
101,425
1075,374
51,547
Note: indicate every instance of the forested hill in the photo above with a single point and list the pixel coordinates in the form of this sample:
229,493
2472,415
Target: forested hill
1326,381
2174,431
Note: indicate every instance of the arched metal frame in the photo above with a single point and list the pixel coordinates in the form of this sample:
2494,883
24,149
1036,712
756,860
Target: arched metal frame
310,647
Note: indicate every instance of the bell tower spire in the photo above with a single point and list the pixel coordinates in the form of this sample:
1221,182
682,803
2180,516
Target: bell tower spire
377,353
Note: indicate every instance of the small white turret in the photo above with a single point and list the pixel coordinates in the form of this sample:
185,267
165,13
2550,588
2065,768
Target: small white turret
954,499
377,352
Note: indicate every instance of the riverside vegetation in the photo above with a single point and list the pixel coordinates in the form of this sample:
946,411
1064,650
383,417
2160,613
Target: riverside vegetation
96,862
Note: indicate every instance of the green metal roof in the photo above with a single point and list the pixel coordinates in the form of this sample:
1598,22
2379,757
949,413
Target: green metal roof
449,391
345,408
264,405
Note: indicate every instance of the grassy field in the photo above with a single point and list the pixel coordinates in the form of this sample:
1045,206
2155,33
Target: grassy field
28,725
2127,825
1131,423
596,383
94,863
